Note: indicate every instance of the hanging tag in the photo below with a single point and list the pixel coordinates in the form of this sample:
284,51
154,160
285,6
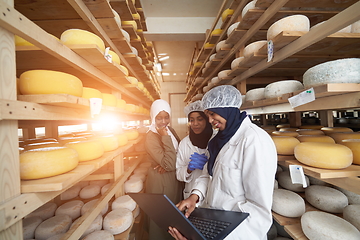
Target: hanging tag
297,175
302,98
108,56
270,50
95,106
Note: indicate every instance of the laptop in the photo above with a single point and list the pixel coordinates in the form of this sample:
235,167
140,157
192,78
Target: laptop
164,213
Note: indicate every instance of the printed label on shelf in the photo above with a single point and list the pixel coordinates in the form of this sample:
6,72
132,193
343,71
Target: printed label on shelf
95,106
302,98
270,50
107,55
297,175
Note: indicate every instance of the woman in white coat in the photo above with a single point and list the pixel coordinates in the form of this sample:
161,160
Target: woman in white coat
241,169
190,158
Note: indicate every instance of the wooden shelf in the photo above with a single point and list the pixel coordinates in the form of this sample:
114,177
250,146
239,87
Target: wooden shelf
316,4
295,231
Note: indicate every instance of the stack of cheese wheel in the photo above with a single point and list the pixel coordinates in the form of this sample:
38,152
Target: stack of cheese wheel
47,162
100,234
285,145
118,220
79,36
49,82
323,155
53,226
87,150
277,89
71,208
290,23
109,100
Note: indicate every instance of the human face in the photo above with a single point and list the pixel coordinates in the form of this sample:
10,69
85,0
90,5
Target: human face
197,122
162,119
216,120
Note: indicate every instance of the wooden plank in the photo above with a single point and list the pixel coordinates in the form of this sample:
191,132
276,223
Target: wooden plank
237,34
64,100
321,4
122,8
99,8
222,53
214,38
295,231
349,183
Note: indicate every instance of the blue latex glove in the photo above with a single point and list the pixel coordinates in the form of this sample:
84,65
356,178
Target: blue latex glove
197,161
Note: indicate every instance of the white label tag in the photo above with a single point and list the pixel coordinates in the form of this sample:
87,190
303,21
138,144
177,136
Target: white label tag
302,98
270,50
95,106
108,56
297,175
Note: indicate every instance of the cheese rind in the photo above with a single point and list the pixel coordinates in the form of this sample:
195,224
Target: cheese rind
89,191
315,138
118,220
79,36
71,208
45,211
354,145
351,214
90,205
52,226
100,234
288,203
285,145
29,226
295,22
91,93
87,150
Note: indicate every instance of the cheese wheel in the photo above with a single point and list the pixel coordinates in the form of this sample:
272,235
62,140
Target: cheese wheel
255,94
44,212
285,145
131,23
47,162
19,41
91,93
352,197
330,130
100,234
208,45
79,36
325,226
38,140
315,138
41,145
284,180
71,193
121,103
52,226
222,45
133,186
89,191
252,48
140,176
285,133
277,89
288,203
354,145
87,150
223,74
288,129
339,136
141,170
114,57
318,127
29,225
96,225
323,155
49,82
109,100
351,214
132,134
216,32
124,201
118,220
236,63
110,142
71,209
291,23
304,131
117,17
130,107
326,198
91,204
126,35
65,140
122,139
226,13
232,28
105,188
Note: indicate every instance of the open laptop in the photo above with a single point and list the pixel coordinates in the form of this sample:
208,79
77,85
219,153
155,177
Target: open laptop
164,213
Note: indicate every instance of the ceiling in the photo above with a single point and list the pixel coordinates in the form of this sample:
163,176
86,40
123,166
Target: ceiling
174,27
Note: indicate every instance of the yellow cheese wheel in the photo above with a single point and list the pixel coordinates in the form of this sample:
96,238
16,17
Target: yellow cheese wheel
121,103
140,85
64,140
79,36
109,100
208,45
132,134
130,107
47,162
136,16
216,32
122,139
285,145
130,23
110,142
339,136
323,155
132,80
305,131
115,57
198,64
282,126
226,13
288,129
354,145
285,133
87,150
315,138
41,145
91,93
329,130
49,82
19,41
124,70
318,127
38,140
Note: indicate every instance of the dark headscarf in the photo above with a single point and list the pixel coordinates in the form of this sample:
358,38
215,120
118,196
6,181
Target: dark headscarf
234,119
201,140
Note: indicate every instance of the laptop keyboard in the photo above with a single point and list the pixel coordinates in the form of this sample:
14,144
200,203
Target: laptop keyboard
209,228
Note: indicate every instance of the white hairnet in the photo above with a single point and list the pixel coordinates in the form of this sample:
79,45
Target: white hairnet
222,96
193,107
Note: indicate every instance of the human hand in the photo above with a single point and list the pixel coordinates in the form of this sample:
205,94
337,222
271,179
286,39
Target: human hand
160,169
176,234
162,131
188,205
197,161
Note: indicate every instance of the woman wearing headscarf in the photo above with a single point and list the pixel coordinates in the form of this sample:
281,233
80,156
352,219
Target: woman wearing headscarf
161,143
240,172
191,157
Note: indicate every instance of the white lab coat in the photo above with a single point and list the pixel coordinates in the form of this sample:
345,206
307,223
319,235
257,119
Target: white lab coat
243,179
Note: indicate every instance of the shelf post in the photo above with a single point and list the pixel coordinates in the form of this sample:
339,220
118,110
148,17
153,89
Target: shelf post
118,171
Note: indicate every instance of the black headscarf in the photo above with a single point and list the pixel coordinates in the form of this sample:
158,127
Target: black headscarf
201,140
234,119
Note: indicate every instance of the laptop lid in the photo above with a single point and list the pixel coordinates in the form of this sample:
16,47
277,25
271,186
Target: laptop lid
164,213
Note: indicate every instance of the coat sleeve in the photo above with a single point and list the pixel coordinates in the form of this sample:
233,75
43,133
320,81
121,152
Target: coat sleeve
161,150
182,162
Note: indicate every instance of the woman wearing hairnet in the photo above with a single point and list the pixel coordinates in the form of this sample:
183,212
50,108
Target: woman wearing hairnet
161,143
191,158
240,173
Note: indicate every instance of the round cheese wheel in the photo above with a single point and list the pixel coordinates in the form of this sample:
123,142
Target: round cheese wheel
285,133
122,139
255,94
100,234
110,142
109,100
117,17
232,28
38,140
345,70
323,155
44,212
222,45
47,162
284,180
49,82
91,93
118,220
208,45
291,23
352,197
89,191
287,129
315,138
105,188
326,226
130,23
227,12
140,176
216,32
41,145
121,103
277,89
304,131
87,150
351,214
136,16
133,185
65,140
90,205
52,226
252,48
141,170
96,225
126,35
248,6
100,182
71,193
124,201
19,41
355,27
71,209
288,203
132,134
285,145
354,145
29,225
224,74
79,36
326,198
331,130
340,136
130,107
114,57
236,63
212,56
